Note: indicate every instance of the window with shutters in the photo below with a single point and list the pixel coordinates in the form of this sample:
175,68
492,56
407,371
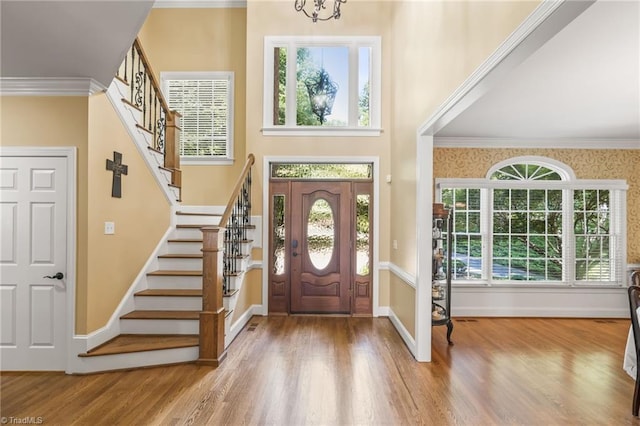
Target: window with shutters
205,101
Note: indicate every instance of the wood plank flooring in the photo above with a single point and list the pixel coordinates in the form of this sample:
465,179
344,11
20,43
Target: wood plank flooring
341,371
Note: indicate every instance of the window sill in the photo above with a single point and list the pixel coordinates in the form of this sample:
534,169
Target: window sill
322,132
190,161
536,286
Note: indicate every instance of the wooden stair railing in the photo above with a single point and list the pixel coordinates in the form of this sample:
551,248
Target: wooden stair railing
220,245
158,120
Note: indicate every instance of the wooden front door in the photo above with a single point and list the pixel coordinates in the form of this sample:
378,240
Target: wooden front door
320,247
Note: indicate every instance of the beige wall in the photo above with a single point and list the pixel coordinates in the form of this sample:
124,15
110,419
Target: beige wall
358,19
55,121
250,294
587,164
203,40
441,43
141,216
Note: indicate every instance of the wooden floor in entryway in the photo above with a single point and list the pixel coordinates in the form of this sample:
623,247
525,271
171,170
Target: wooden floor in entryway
342,371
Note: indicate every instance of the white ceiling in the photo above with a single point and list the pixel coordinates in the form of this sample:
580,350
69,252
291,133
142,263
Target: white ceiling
584,83
68,39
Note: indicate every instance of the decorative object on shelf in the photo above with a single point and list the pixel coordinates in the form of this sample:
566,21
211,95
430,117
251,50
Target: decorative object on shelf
318,12
441,269
118,170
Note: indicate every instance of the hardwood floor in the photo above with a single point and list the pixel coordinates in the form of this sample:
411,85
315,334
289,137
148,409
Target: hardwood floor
342,371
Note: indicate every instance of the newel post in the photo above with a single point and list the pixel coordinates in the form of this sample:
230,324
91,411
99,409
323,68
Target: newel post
172,147
212,316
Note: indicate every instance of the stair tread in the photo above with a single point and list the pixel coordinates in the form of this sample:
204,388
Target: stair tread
170,292
181,256
128,343
172,273
160,314
181,213
230,293
184,240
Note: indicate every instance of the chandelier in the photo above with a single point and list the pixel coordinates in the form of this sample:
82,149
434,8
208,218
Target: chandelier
318,12
322,92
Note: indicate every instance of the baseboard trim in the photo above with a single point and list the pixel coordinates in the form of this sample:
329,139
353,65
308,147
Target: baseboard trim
403,332
239,324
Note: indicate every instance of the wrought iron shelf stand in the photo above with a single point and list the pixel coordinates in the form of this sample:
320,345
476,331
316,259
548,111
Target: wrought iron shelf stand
441,269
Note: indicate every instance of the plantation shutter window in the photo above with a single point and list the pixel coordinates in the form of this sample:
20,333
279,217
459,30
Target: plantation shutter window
206,107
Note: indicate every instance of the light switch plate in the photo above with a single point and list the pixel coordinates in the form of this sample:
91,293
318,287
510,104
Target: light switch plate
109,228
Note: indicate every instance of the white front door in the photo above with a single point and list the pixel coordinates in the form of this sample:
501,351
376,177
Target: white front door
33,245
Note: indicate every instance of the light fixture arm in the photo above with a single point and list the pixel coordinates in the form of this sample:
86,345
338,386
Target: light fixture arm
319,6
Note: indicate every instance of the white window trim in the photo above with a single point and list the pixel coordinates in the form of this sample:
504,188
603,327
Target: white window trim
207,75
293,42
618,190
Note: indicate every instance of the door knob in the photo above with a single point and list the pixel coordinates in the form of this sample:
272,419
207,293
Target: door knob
57,276
294,254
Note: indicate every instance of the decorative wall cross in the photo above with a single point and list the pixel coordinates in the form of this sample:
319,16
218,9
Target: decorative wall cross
118,170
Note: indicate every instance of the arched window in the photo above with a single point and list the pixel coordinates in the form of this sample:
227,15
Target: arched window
530,221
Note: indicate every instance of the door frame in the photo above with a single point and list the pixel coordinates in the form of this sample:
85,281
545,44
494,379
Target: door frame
70,154
375,261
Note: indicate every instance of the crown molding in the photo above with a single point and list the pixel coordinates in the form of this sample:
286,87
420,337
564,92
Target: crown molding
26,86
560,143
199,4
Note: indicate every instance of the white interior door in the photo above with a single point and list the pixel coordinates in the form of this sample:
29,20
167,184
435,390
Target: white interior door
33,245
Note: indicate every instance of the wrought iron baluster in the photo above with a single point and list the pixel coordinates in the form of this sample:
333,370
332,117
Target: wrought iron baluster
133,53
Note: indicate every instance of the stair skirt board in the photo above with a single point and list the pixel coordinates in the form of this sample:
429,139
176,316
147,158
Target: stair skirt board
132,360
130,117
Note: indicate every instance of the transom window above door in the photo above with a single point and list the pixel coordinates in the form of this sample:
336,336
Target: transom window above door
322,86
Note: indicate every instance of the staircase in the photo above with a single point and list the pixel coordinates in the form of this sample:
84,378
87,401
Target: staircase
175,310
161,325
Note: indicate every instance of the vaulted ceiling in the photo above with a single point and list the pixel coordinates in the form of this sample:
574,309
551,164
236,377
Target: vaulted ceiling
584,83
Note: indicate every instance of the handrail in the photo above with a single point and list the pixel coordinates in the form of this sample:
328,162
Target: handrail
220,255
236,190
157,120
152,76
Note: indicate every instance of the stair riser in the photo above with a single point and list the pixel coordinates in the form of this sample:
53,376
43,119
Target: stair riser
168,303
153,326
185,248
180,264
197,220
187,233
164,282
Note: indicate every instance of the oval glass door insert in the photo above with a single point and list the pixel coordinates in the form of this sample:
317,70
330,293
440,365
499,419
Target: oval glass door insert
320,234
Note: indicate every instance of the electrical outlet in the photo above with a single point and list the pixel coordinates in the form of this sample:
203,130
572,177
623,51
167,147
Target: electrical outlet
109,228
395,244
